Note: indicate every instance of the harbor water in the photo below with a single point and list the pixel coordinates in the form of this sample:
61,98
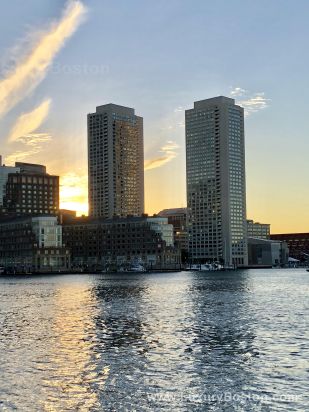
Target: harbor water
187,341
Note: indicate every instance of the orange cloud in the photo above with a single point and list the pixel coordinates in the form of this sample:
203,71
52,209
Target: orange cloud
170,153
29,122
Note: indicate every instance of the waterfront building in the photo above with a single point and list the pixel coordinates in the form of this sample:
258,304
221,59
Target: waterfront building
298,244
27,189
161,226
265,252
119,241
258,230
216,187
178,218
4,173
32,244
66,215
115,162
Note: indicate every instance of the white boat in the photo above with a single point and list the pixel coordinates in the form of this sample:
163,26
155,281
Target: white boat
204,267
2,270
134,268
137,267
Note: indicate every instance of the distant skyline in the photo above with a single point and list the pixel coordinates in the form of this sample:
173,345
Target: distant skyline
59,60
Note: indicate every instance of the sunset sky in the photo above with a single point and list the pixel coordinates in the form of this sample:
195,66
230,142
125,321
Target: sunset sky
59,60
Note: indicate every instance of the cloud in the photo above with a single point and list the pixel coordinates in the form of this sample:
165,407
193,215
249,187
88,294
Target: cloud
33,145
255,103
34,139
174,120
29,122
179,109
169,151
237,91
74,192
32,68
19,156
251,102
22,133
35,148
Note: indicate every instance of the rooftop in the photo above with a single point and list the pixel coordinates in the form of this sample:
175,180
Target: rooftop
219,100
115,108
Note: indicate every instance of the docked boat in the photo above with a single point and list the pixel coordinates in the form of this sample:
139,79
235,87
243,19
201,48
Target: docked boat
205,267
137,268
134,268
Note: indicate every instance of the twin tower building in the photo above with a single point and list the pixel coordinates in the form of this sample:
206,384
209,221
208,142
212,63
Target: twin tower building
215,170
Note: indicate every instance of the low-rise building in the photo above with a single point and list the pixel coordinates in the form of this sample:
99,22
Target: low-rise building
4,175
162,227
178,218
119,241
258,230
27,189
298,244
32,244
265,252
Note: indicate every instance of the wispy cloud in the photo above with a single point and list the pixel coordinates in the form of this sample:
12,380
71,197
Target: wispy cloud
22,133
251,102
29,122
34,139
31,69
237,91
179,109
254,103
33,147
169,152
174,121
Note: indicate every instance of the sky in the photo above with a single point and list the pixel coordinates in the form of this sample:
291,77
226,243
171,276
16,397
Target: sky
60,59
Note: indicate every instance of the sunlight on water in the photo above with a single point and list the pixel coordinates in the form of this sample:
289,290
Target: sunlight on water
70,368
184,341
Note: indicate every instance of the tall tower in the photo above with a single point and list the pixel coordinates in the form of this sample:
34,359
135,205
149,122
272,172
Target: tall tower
115,162
216,182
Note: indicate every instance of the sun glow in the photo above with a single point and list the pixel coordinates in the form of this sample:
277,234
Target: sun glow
74,193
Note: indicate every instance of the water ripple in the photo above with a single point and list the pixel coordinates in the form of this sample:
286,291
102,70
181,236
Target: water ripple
172,342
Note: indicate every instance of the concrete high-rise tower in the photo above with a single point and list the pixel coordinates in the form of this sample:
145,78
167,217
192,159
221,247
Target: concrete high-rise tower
216,182
115,162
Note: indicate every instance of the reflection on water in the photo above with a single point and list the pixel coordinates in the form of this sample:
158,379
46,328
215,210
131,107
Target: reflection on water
185,341
70,369
223,336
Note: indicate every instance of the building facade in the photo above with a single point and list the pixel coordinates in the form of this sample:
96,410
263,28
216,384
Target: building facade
216,185
258,230
265,252
103,242
5,171
178,218
28,190
32,244
298,244
161,226
115,162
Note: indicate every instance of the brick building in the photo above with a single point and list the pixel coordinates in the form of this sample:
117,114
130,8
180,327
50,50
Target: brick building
28,189
99,243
